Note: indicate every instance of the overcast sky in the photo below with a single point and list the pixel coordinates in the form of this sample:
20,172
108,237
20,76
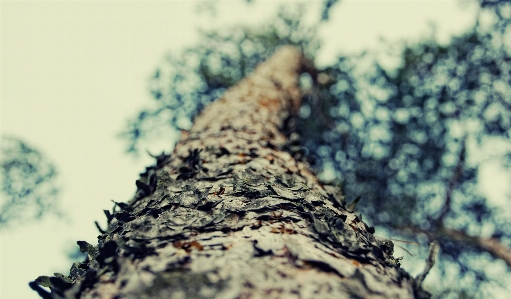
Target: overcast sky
73,72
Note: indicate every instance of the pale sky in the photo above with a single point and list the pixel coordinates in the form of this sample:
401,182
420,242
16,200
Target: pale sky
73,72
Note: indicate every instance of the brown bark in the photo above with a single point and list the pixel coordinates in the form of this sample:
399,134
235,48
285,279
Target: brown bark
231,214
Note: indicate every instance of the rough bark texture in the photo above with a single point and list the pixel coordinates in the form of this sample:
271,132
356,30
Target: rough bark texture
231,214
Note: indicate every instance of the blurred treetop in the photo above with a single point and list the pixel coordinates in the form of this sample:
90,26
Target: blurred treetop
28,184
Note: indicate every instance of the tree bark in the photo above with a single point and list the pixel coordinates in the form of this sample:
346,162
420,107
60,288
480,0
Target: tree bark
231,214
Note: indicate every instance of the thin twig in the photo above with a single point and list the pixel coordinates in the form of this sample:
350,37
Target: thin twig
430,262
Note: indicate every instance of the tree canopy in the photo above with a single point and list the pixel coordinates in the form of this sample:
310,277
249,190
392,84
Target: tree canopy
28,183
410,141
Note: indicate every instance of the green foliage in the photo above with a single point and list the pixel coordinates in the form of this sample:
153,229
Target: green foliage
411,142
28,183
404,139
327,5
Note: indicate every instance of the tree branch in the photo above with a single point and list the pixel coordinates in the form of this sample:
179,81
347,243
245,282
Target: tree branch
490,245
456,176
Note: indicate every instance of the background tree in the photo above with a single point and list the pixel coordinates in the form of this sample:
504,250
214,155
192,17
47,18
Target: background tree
28,184
405,139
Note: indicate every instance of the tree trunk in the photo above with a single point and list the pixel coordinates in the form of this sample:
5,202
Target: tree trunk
231,214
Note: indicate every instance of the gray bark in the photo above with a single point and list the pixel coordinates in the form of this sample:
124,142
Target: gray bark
231,214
